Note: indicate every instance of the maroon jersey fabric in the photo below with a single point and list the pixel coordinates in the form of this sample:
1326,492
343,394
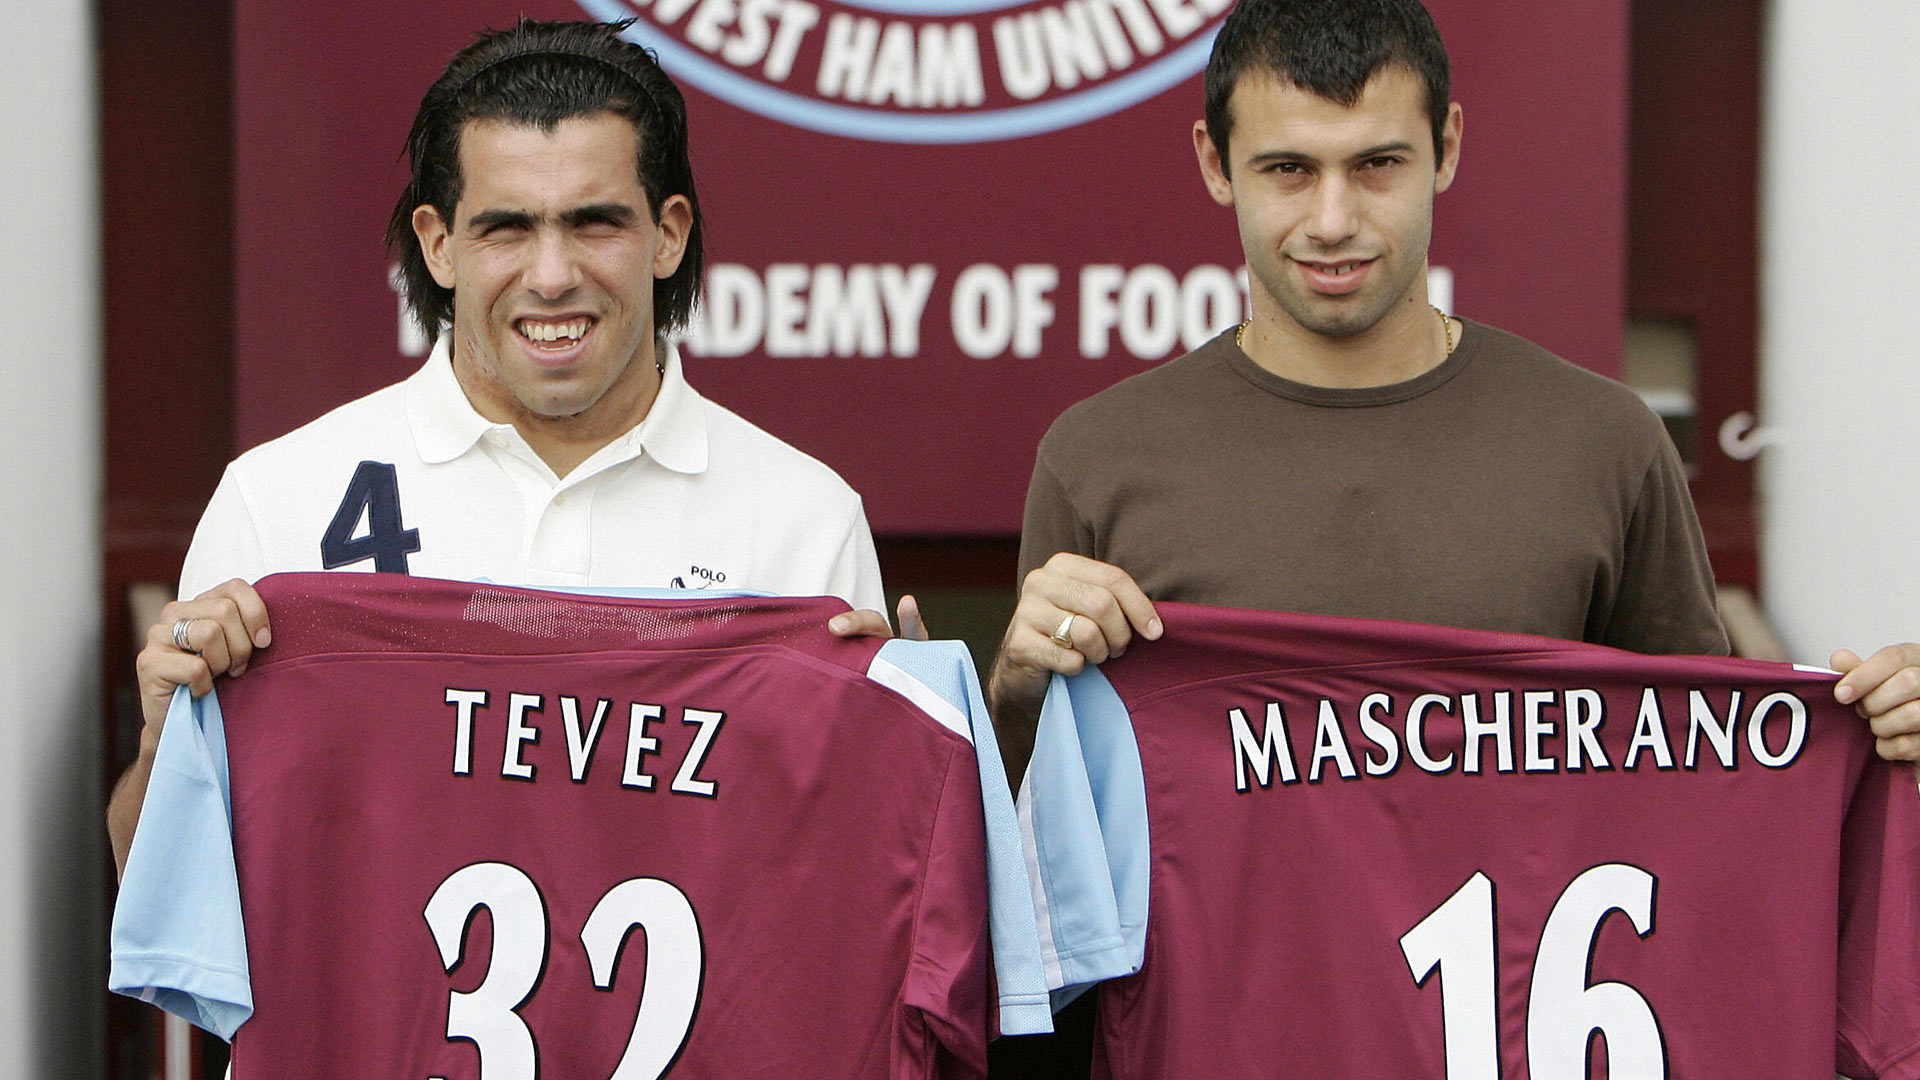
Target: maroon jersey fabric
490,833
1496,855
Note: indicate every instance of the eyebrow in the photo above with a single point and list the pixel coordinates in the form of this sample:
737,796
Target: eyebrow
1397,146
487,220
600,214
618,214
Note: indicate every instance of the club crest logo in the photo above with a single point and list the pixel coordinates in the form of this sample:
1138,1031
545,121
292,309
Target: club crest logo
926,71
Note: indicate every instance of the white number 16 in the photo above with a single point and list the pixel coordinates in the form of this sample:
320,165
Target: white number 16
1563,1011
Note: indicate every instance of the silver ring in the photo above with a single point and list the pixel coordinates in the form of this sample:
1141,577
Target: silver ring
1063,634
180,639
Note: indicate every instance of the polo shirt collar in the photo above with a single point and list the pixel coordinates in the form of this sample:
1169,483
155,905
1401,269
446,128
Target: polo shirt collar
446,425
675,430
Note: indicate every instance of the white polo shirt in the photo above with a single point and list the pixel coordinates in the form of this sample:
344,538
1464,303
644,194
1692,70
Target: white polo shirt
410,478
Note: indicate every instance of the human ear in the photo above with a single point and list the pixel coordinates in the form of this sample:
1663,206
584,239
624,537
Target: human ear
1212,169
675,225
432,231
1449,150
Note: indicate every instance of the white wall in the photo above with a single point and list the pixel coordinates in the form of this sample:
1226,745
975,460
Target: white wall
52,961
1840,324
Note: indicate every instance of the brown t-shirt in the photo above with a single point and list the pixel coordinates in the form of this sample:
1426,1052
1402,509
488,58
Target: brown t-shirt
1505,489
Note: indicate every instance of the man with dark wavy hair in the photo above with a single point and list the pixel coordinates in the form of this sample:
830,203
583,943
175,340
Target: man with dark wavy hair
537,76
549,236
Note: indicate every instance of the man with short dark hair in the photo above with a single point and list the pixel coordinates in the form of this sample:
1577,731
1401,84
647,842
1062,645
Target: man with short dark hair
549,235
1350,449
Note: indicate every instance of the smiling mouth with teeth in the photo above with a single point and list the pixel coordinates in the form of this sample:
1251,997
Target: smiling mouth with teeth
545,332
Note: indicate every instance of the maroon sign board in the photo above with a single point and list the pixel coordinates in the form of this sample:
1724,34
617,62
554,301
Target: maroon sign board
932,224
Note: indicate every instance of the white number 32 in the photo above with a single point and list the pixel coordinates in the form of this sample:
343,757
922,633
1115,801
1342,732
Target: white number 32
488,1016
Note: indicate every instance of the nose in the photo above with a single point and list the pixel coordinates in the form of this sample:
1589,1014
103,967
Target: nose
552,268
1334,217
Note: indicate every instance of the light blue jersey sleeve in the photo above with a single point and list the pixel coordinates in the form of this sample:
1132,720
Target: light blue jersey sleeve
938,676
177,938
1083,815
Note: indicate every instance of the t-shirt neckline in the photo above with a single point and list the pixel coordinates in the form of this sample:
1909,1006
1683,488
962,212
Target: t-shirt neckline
1355,397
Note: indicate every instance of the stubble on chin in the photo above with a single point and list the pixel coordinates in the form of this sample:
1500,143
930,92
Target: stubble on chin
1330,318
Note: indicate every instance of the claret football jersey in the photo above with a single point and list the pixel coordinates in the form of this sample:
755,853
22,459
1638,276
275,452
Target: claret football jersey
1304,846
465,831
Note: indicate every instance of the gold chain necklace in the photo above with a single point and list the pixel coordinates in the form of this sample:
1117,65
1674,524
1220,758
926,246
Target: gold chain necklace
1446,327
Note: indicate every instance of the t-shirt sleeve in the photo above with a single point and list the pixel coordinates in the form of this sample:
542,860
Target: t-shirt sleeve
855,576
1050,524
1665,603
1879,1016
177,939
226,543
938,676
947,978
1083,813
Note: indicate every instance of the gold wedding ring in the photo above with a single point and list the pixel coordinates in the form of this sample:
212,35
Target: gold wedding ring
1063,634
